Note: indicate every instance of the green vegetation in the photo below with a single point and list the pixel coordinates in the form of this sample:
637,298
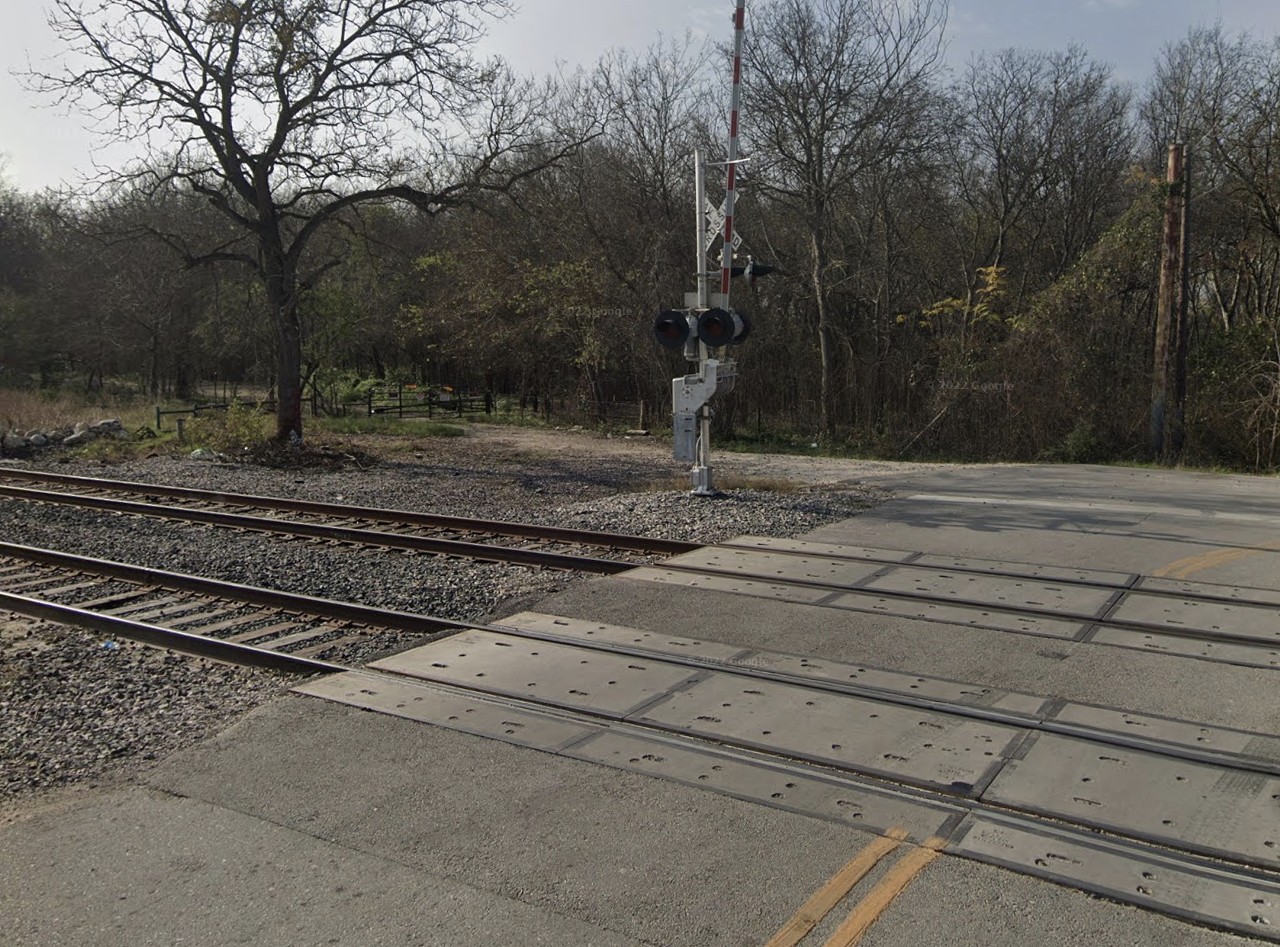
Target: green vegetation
238,430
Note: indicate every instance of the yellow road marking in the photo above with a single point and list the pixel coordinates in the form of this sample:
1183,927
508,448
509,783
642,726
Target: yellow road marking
869,909
838,885
1184,568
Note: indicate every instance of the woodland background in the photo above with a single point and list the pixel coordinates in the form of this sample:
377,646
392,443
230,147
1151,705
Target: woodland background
967,260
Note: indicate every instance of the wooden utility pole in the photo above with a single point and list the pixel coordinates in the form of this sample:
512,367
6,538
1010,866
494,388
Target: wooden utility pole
1170,283
1178,422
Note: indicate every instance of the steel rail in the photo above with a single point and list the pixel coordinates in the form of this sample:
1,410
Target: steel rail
528,531
404,517
246,655
328,608
365,537
1247,872
900,698
1139,843
968,796
1141,848
562,534
248,594
426,624
567,562
202,646
1135,578
1090,619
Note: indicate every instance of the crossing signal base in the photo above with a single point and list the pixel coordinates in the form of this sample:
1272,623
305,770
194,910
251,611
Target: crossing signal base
689,395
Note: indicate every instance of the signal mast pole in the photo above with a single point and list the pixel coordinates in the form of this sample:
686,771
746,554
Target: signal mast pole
706,325
702,463
730,195
702,485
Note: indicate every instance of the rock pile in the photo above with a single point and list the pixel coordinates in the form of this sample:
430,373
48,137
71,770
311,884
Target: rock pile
15,444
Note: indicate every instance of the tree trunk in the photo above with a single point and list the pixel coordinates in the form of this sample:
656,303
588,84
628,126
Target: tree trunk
826,343
153,382
281,286
289,378
182,379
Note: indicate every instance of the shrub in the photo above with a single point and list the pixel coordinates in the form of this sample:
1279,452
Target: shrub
238,430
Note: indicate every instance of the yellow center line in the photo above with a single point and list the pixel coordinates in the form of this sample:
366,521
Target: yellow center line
838,885
869,909
1184,568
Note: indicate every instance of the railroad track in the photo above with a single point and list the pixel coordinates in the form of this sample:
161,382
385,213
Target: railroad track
1208,622
1219,623
486,540
262,627
1171,815
948,759
225,621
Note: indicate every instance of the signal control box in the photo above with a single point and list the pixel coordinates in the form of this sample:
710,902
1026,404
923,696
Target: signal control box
685,442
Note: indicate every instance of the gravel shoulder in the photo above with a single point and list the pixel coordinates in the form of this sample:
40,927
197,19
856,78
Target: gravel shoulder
77,710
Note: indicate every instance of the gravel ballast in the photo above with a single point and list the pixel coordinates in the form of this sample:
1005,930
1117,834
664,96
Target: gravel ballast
75,707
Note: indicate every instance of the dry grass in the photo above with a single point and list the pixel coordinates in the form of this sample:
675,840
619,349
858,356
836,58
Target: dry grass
35,411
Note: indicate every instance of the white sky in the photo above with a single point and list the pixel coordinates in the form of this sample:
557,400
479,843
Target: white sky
42,146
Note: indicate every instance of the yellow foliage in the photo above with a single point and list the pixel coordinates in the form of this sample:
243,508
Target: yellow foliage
987,295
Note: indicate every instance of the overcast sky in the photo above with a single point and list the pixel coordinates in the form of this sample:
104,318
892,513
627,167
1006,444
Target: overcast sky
41,146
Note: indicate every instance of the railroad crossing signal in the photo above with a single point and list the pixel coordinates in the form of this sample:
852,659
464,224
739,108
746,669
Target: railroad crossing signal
714,328
715,226
705,327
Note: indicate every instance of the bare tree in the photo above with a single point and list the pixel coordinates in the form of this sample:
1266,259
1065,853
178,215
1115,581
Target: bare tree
288,114
1041,145
832,88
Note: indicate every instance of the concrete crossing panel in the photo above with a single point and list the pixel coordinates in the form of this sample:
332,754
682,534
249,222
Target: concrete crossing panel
1207,589
1237,899
599,634
549,673
1221,812
1259,623
866,601
1069,600
742,775
768,565
721,583
914,746
1225,651
875,809
414,700
781,544
1263,749
1048,573
820,670
974,616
